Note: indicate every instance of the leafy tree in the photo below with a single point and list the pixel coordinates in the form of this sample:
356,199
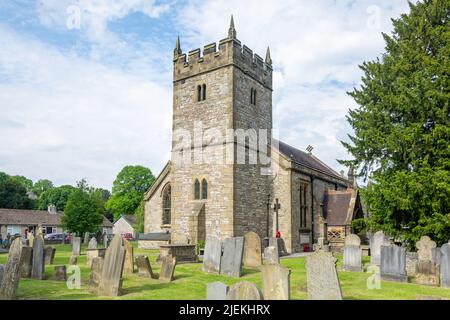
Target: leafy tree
402,127
3,176
84,210
27,183
13,195
139,213
128,189
41,186
57,196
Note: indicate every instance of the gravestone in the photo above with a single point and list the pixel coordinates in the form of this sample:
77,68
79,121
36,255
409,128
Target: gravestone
411,263
105,240
26,262
322,277
38,263
11,271
445,265
233,250
30,238
144,267
49,254
76,246
276,282
352,254
96,272
60,273
271,255
92,243
129,257
73,260
213,255
111,276
428,268
94,253
244,291
2,270
168,264
86,238
393,263
216,291
377,240
252,250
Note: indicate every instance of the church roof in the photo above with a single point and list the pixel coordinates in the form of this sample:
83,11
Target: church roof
304,158
340,206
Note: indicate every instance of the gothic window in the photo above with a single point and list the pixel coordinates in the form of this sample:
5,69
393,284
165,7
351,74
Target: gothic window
303,208
204,189
196,189
204,92
167,206
199,93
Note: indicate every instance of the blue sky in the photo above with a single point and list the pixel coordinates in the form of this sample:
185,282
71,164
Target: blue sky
85,86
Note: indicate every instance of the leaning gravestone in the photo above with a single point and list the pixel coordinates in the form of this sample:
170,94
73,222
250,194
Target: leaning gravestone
393,263
26,262
76,246
352,254
60,273
252,250
38,264
168,264
231,264
216,291
213,255
96,272
144,267
271,255
244,291
49,254
92,243
378,239
445,265
111,276
11,273
322,277
428,268
129,257
276,282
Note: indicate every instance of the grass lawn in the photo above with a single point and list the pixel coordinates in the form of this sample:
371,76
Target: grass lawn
190,282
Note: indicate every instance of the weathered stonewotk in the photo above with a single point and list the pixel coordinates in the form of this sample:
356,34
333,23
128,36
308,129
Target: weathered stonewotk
76,246
231,264
26,262
213,255
111,276
427,268
96,273
167,268
129,257
276,282
271,255
393,263
38,264
322,277
216,291
92,243
94,253
11,273
49,254
86,238
445,265
60,273
73,260
377,240
144,267
252,250
352,254
412,258
244,291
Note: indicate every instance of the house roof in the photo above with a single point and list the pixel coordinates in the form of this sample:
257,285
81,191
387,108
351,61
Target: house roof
36,217
304,158
339,206
129,218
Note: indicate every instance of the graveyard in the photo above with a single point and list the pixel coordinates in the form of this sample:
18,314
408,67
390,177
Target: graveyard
190,281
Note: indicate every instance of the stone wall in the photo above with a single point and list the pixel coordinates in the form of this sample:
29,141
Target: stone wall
153,218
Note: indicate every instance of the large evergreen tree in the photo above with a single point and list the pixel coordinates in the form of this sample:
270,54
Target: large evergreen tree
402,127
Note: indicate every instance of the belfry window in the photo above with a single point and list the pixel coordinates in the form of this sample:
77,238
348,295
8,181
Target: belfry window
253,96
204,92
204,189
167,206
201,92
196,190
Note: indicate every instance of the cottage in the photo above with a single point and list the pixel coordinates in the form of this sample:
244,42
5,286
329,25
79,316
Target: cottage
125,225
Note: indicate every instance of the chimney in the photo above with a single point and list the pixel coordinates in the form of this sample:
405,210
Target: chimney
52,209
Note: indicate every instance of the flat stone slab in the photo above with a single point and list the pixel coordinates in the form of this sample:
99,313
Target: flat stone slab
377,240
276,282
111,277
231,264
144,267
322,277
216,291
38,263
393,263
445,265
212,256
352,258
76,246
271,255
167,268
92,243
49,254
26,262
252,250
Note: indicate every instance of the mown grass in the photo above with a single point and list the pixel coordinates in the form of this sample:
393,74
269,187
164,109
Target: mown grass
190,282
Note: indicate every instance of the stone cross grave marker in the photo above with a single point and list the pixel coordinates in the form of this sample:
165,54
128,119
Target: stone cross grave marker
252,250
276,282
377,240
111,276
26,262
49,254
352,254
92,243
168,264
38,263
213,255
393,263
11,272
322,277
76,246
231,264
271,255
244,291
445,265
144,267
428,268
216,291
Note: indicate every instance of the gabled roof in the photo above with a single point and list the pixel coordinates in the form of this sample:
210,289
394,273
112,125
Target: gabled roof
165,171
339,206
304,158
129,218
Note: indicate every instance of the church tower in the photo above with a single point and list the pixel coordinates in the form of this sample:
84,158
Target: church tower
220,95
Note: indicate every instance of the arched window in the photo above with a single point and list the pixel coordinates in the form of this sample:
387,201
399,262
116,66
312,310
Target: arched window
204,189
204,92
196,189
167,205
199,93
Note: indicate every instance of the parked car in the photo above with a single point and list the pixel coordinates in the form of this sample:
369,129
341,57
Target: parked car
127,236
57,236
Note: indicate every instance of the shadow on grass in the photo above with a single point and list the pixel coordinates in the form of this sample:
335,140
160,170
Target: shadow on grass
145,287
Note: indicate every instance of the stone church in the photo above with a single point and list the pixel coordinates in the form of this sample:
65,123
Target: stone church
228,90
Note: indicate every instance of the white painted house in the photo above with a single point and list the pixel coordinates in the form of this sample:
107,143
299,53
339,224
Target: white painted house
125,224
